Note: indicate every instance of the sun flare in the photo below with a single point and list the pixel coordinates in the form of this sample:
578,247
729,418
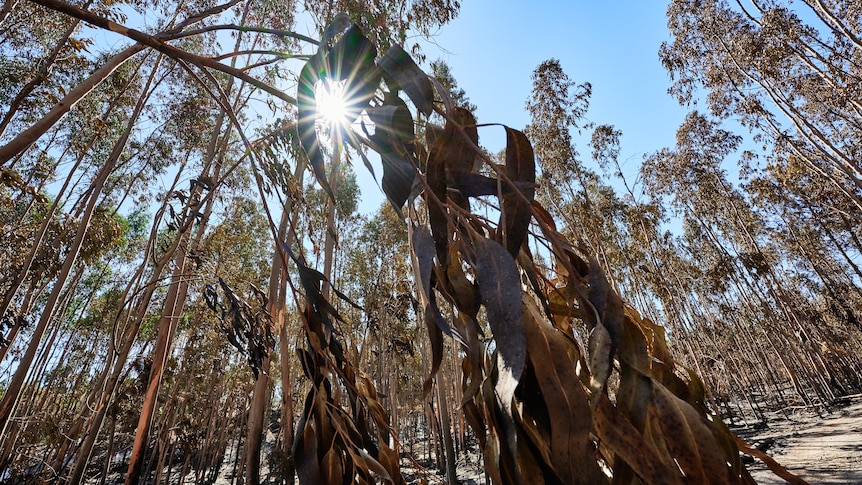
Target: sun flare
331,103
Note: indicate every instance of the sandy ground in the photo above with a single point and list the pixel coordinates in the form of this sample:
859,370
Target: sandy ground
822,450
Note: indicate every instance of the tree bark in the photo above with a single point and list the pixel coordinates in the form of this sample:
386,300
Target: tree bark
14,389
29,136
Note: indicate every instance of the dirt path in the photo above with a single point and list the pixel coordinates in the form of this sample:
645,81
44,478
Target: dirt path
822,450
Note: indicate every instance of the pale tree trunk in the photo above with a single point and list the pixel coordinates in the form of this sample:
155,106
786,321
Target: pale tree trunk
284,339
276,297
171,314
40,76
29,136
14,389
256,418
446,430
161,352
103,394
330,241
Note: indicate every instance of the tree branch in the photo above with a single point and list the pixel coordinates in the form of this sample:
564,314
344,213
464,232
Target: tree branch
156,42
211,28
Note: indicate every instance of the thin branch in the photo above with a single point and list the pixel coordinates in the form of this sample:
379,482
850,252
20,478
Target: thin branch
210,28
281,55
157,43
206,13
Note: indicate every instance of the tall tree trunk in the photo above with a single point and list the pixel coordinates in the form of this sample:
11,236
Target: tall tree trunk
27,137
161,352
446,431
171,315
14,389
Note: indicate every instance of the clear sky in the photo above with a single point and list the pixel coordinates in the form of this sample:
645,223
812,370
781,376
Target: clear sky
494,45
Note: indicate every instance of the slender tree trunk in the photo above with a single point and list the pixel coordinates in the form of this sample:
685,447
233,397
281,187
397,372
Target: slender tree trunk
161,352
27,137
446,431
14,389
109,454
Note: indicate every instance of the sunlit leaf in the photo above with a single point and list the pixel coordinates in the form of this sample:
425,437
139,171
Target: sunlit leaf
393,134
313,71
351,60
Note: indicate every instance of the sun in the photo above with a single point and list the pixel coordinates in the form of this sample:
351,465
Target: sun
331,104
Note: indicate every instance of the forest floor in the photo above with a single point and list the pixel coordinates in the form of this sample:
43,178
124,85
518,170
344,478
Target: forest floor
822,449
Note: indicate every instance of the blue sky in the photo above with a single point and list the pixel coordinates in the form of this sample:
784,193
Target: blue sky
493,47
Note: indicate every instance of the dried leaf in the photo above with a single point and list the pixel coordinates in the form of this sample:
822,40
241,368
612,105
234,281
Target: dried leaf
332,467
435,335
306,104
400,72
571,449
389,460
351,60
305,456
600,359
435,175
500,289
393,134
620,436
472,184
520,167
607,303
770,462
688,438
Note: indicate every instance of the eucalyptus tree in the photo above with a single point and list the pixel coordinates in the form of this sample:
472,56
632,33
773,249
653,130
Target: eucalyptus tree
788,72
539,402
728,234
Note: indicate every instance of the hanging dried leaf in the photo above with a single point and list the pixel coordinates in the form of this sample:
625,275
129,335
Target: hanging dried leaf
620,436
500,289
351,60
313,71
332,467
688,438
520,167
400,72
436,178
770,462
305,455
472,184
571,451
393,134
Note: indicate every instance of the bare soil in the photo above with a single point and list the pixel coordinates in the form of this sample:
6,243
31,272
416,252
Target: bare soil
821,449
